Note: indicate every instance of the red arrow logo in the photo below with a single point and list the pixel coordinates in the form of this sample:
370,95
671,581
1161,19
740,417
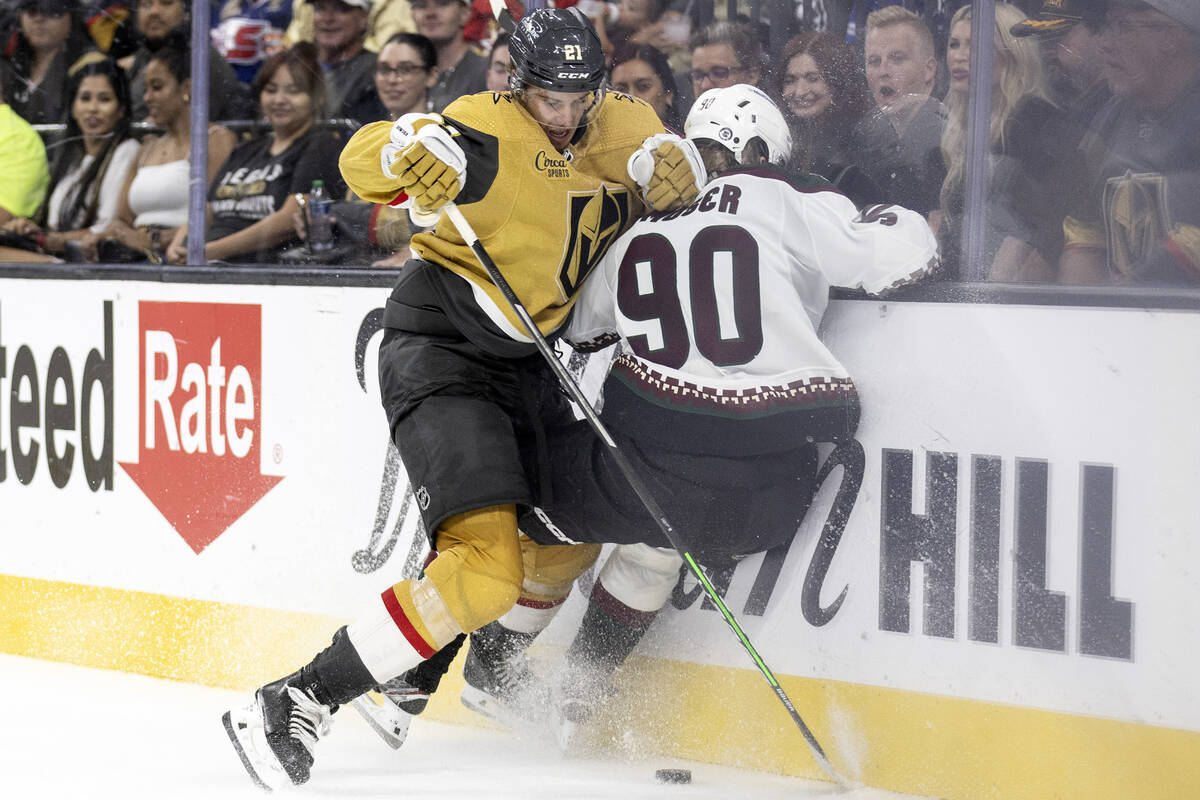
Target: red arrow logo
200,380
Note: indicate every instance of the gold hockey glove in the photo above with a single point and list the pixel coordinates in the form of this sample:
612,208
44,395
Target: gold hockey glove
669,171
426,162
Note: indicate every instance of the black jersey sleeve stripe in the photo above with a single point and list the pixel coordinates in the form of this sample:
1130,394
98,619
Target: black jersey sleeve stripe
483,160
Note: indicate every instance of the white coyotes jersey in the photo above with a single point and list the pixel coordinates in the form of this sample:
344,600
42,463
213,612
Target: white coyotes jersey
724,298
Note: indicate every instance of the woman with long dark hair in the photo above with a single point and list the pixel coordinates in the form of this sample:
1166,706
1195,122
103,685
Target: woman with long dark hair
836,134
405,71
643,71
252,199
154,200
91,162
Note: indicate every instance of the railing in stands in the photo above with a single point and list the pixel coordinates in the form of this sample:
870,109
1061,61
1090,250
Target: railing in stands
51,133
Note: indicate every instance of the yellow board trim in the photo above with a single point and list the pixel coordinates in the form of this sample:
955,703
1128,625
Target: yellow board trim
888,738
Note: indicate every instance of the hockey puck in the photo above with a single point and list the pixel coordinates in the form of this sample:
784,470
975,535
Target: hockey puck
673,775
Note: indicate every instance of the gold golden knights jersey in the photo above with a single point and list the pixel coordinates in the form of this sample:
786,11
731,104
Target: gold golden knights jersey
546,218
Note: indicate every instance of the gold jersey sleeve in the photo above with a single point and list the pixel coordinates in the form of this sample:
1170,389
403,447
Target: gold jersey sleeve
362,167
546,218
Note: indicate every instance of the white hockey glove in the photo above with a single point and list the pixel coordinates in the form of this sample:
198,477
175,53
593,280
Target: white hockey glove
669,171
425,161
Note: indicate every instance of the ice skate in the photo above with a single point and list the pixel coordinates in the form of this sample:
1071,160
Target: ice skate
499,682
390,709
276,734
582,691
574,713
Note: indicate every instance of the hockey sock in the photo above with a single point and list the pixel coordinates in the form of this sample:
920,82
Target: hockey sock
428,674
336,675
608,634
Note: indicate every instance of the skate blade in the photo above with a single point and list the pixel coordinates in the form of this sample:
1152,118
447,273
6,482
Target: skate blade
566,736
526,716
243,731
483,703
385,718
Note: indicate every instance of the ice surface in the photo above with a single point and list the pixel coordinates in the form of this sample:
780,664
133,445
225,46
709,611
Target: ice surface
73,732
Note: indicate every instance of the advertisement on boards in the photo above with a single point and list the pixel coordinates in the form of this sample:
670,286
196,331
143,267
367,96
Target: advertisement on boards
1011,524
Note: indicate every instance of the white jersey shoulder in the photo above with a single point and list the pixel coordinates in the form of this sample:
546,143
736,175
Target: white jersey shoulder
729,291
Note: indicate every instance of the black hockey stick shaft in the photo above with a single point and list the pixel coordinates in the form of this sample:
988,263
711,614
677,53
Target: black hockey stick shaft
635,481
503,17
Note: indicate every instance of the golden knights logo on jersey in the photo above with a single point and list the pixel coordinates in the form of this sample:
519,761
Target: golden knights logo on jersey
596,219
1137,217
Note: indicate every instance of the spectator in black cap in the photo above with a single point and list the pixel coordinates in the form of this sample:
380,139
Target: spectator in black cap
161,22
50,36
1068,34
91,163
1043,139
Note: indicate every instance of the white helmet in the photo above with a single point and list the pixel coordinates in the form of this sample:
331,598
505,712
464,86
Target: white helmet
735,115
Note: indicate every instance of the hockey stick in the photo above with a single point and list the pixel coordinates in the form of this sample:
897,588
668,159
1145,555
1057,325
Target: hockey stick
503,17
572,388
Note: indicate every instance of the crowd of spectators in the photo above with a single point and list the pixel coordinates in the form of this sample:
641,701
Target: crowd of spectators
1092,173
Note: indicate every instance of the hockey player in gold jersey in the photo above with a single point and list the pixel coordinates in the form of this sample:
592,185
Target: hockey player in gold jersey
545,186
542,173
545,213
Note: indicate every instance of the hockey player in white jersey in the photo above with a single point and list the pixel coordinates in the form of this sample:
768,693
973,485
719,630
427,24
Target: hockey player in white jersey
719,392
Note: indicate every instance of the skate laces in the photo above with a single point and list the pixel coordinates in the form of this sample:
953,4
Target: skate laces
512,674
308,720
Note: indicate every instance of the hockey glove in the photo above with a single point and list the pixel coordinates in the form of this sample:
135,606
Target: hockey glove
424,160
669,171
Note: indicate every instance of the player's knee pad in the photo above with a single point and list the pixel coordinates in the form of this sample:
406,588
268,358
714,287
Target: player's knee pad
478,570
641,576
550,571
